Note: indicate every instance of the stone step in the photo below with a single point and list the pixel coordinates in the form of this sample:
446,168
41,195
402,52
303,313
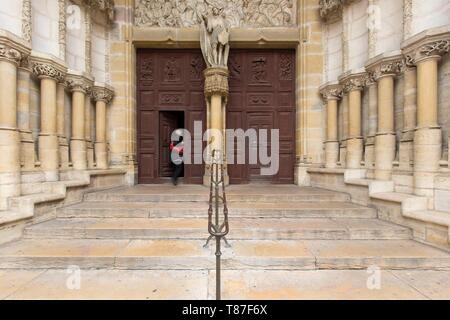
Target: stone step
201,194
294,209
190,254
196,228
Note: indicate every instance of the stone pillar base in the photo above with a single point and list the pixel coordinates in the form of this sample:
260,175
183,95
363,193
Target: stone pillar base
78,154
90,154
427,154
354,152
101,155
331,154
9,165
27,152
49,156
301,175
406,154
384,155
63,153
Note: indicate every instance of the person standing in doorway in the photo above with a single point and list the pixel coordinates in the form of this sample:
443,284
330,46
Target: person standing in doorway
176,151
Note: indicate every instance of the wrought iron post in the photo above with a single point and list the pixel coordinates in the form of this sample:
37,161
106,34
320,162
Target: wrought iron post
217,229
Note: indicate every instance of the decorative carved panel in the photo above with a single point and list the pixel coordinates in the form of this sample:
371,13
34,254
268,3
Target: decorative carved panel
239,13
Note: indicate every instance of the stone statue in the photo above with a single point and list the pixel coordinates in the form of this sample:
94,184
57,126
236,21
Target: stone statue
214,38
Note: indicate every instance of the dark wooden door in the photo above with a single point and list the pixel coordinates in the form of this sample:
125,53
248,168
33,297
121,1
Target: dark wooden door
262,96
168,122
167,80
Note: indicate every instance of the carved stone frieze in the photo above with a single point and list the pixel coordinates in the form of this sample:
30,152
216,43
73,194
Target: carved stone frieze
216,81
105,94
239,13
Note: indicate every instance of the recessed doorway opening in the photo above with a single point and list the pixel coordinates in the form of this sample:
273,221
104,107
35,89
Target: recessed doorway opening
169,121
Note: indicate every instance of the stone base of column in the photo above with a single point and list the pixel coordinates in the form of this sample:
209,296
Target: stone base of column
27,151
343,153
49,156
101,155
78,154
9,165
369,154
90,154
384,155
331,154
406,151
427,154
63,153
301,175
354,152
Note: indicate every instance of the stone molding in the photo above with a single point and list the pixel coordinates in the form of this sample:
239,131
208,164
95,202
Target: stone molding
102,93
78,82
12,48
331,91
62,28
353,81
431,43
385,65
249,13
26,20
216,81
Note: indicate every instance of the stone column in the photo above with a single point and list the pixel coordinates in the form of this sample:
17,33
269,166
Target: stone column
61,125
87,130
385,68
77,85
27,152
49,74
369,155
331,94
354,84
409,118
10,55
102,96
216,93
425,51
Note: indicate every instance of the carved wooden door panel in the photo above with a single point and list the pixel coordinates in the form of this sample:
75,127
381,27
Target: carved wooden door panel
262,96
167,80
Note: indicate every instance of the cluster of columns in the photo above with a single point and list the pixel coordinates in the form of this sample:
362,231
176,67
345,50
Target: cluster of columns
421,131
17,145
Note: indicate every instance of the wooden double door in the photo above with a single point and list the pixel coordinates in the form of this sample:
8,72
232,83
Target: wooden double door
170,88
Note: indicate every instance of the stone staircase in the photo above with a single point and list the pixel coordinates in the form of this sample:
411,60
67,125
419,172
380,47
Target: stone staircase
272,228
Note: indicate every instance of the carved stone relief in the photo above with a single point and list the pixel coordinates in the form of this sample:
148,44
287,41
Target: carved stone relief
259,70
239,13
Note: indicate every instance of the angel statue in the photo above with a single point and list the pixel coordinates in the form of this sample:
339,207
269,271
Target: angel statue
214,36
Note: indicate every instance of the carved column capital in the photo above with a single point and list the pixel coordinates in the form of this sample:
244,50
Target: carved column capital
331,91
330,10
77,82
216,81
433,43
353,81
382,66
12,48
47,67
100,93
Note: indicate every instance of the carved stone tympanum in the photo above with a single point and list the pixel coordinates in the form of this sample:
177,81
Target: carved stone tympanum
239,13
